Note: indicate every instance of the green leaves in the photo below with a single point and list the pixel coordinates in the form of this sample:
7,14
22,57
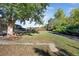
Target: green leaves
64,24
59,14
59,22
22,11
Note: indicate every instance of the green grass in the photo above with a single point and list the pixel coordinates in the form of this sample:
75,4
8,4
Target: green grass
65,43
71,46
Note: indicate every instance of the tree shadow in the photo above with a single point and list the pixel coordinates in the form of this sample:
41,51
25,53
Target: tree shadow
28,34
32,30
41,52
70,36
63,52
73,46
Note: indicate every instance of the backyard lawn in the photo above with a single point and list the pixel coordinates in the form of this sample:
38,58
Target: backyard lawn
64,44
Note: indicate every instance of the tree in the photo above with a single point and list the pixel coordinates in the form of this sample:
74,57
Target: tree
22,12
59,14
59,21
65,24
73,22
75,16
49,25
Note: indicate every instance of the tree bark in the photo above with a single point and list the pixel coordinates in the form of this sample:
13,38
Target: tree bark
1,25
10,27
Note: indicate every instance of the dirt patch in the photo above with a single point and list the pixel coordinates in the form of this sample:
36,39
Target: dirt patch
22,50
17,50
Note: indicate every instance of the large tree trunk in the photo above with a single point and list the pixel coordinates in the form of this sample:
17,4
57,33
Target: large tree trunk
10,27
1,25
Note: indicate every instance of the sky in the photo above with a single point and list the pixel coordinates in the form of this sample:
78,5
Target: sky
50,11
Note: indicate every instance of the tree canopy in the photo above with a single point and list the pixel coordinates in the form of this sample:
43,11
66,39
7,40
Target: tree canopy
66,24
22,11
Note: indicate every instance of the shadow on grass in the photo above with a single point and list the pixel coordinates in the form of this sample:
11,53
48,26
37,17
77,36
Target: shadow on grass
70,36
41,52
63,52
73,46
30,34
